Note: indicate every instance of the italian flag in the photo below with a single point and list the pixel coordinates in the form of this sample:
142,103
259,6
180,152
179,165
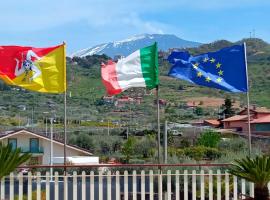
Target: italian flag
139,69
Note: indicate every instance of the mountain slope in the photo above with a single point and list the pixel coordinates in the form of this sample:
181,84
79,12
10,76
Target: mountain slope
127,46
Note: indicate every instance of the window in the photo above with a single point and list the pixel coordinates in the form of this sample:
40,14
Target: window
13,143
34,145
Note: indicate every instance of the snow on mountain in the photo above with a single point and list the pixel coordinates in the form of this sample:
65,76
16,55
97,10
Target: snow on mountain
129,45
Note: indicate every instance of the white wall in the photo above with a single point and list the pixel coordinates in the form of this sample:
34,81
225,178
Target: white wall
23,140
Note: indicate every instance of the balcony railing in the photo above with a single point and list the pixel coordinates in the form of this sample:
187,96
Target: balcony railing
32,150
114,184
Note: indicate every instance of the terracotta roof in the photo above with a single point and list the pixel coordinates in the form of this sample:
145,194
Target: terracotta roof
236,118
213,122
256,110
265,119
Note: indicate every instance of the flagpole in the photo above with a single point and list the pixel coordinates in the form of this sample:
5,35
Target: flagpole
158,123
248,106
65,130
65,116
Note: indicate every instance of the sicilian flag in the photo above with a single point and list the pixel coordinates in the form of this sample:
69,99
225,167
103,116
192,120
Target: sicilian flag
37,69
139,69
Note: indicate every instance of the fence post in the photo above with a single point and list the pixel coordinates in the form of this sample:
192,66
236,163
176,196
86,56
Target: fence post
177,185
169,188
3,188
185,185
11,186
83,186
126,185
134,185
65,186
20,177
38,186
251,189
210,185
218,185
160,185
151,185
100,185
74,185
29,190
243,188
92,185
194,185
117,185
202,185
227,186
109,185
56,186
47,186
142,185
235,192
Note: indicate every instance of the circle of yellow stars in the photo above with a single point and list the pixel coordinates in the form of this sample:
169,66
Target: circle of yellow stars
217,65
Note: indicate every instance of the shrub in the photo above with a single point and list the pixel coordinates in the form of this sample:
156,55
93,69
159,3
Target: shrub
233,144
209,138
201,152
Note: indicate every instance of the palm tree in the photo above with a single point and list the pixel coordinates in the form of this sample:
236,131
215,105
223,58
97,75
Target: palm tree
255,170
10,159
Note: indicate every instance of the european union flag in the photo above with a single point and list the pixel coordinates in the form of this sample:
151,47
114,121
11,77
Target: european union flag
224,69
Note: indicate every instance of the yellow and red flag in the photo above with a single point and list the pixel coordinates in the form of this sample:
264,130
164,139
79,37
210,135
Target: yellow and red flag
37,69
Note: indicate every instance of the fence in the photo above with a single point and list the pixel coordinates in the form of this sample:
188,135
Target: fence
114,184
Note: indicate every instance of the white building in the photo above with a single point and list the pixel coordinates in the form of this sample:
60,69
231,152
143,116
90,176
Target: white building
39,146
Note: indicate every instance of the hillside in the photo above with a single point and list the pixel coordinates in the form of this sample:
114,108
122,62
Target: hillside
85,92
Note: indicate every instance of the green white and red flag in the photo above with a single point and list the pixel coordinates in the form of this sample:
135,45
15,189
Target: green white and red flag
139,69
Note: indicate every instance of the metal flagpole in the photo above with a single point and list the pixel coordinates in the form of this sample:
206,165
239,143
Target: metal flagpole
65,116
248,110
65,131
158,123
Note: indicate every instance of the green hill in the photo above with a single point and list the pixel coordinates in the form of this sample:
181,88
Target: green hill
85,92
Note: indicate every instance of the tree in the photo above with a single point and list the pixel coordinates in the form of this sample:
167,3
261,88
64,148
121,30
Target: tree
209,139
10,159
128,148
145,146
198,111
228,110
255,170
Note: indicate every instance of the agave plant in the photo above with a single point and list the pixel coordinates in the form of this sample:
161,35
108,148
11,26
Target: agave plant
10,159
255,170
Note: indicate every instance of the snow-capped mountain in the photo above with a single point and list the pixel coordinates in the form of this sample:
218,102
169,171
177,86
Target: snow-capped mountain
127,46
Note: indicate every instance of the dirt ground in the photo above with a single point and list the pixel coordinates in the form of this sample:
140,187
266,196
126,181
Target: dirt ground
208,102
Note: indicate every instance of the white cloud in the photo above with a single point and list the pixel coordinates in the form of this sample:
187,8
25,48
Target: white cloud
32,15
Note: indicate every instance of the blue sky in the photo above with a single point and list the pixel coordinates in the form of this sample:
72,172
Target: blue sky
84,23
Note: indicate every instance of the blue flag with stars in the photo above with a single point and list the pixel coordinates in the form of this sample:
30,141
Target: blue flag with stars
224,69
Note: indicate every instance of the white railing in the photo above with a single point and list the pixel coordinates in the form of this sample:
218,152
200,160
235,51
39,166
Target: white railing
144,185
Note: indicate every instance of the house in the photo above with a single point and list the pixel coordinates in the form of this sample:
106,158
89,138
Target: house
212,123
126,100
259,121
39,146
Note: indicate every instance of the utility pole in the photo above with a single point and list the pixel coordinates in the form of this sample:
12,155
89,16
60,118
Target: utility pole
108,128
165,143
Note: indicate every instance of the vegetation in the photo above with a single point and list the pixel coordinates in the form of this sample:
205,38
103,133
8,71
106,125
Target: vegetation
256,170
227,107
10,159
209,139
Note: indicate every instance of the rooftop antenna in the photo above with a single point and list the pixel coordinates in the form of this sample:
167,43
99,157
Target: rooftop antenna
253,31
